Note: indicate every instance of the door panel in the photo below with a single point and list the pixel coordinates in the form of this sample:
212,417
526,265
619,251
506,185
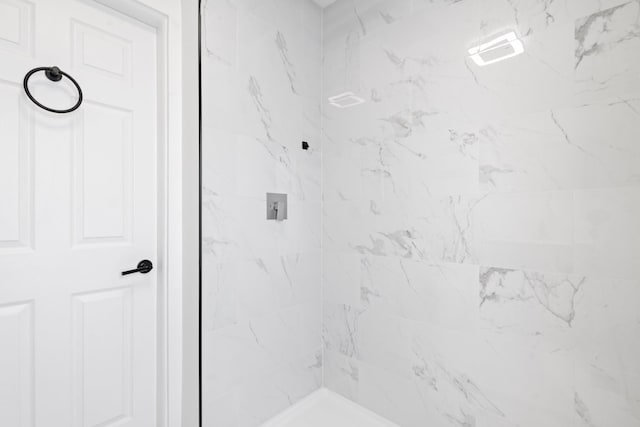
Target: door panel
16,29
100,51
102,360
15,170
78,205
102,147
16,364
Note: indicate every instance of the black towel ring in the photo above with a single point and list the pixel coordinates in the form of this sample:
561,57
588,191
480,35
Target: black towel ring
54,74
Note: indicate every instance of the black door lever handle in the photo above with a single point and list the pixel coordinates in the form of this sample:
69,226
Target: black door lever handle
144,267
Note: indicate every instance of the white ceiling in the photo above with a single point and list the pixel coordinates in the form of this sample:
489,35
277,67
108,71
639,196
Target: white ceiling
324,3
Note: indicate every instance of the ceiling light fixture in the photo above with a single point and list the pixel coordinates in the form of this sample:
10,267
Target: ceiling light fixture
345,100
500,48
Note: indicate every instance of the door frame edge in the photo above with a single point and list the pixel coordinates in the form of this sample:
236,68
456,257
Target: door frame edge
175,214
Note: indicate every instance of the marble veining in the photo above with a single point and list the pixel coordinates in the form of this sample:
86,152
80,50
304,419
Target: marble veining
477,221
598,32
281,42
582,410
555,294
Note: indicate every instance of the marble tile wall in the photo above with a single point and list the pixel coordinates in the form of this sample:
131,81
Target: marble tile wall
261,65
481,225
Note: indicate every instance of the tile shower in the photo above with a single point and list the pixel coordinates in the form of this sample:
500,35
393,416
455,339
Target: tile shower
461,249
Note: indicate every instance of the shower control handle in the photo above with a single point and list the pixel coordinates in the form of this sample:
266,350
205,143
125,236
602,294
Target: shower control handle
144,267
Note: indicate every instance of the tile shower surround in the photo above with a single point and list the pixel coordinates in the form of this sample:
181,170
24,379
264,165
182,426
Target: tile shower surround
262,348
472,232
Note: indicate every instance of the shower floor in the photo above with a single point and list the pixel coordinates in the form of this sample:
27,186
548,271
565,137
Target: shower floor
327,409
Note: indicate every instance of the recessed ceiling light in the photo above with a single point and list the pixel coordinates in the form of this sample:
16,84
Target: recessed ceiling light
345,100
500,48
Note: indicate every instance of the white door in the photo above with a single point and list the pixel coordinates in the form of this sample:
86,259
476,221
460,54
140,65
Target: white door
78,205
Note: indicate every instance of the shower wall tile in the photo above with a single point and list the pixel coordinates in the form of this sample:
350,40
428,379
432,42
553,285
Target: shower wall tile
604,42
430,229
249,403
584,321
265,363
243,290
223,411
551,335
236,228
278,389
261,280
526,230
393,396
607,232
341,374
442,295
480,224
341,278
588,147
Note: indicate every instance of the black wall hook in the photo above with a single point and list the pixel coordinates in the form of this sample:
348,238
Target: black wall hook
54,74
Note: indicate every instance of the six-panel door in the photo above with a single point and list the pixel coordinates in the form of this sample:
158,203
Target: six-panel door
78,205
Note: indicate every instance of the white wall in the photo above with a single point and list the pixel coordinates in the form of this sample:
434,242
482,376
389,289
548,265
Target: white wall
481,231
191,243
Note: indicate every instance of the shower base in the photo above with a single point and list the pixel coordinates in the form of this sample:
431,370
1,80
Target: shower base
324,408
